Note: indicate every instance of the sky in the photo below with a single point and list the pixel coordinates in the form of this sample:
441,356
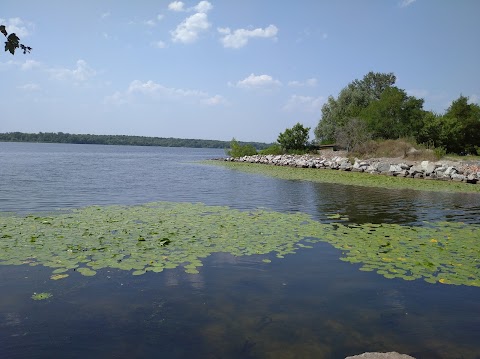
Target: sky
220,69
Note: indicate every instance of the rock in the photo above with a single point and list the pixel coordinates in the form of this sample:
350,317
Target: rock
457,177
428,167
383,167
345,166
389,355
450,171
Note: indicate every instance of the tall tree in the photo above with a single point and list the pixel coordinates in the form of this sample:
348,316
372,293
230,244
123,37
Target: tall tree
352,99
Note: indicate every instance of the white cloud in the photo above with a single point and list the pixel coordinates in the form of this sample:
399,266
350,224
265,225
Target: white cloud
159,44
30,87
17,26
260,81
312,82
203,7
105,15
304,103
405,3
155,91
160,17
150,23
239,38
189,29
81,73
29,65
176,6
215,100
7,65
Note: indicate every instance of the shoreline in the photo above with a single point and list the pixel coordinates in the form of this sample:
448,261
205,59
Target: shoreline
466,172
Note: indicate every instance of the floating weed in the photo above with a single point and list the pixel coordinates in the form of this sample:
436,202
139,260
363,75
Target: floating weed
41,296
58,276
158,236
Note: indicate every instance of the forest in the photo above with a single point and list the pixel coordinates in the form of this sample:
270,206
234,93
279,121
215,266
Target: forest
126,140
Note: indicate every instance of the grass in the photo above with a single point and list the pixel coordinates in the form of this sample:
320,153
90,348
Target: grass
349,178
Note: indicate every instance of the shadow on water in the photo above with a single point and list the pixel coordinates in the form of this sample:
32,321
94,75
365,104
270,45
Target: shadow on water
308,305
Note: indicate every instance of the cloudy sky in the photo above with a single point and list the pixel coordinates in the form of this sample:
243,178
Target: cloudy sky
224,68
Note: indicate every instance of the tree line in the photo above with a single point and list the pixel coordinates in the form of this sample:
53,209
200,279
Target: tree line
374,108
126,140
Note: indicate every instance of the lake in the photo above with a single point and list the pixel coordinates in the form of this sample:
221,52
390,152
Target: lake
309,304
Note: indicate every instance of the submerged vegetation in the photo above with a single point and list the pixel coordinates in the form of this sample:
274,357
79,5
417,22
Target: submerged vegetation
158,236
348,178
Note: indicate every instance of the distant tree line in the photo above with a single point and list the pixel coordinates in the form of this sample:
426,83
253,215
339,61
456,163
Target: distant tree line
126,140
373,108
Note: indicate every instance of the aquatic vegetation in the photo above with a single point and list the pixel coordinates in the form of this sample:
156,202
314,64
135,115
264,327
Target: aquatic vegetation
348,178
158,236
41,296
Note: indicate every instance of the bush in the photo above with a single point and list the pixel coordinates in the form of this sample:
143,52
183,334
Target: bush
238,150
274,149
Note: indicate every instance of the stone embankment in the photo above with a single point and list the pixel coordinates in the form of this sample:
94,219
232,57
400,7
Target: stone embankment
441,170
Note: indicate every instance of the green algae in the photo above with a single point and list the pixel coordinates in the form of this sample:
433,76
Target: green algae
348,178
182,234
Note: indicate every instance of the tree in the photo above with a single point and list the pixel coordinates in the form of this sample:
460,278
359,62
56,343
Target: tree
352,99
457,131
295,138
238,150
394,115
353,135
13,42
461,127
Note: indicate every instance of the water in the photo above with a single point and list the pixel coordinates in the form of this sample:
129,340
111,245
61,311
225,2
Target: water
307,305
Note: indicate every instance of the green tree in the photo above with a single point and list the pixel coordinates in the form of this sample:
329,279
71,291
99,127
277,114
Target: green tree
238,150
352,99
13,42
394,115
295,138
461,127
457,131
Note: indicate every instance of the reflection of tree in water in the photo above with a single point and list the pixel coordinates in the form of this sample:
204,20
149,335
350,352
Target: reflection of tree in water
366,204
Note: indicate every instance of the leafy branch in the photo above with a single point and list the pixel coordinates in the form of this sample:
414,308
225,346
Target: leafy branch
13,42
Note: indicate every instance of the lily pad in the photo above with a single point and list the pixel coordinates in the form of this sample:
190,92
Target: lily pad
41,296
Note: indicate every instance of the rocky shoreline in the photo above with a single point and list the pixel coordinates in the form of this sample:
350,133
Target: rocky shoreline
459,171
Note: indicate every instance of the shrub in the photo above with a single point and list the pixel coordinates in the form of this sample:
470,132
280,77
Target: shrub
274,149
238,150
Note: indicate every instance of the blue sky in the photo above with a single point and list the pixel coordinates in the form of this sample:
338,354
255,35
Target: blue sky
224,68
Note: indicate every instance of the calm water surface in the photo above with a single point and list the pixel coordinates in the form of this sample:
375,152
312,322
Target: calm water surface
308,305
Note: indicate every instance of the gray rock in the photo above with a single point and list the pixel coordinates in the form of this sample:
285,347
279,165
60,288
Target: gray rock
450,171
383,167
345,166
458,177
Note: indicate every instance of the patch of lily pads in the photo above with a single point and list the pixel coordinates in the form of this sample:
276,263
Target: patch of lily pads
41,296
164,235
